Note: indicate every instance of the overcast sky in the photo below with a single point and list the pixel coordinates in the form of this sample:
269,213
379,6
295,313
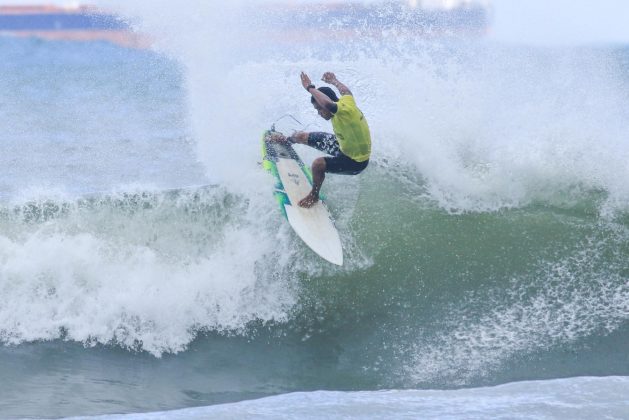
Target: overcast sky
541,22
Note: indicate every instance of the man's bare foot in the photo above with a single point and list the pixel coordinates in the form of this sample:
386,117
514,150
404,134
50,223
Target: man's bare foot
277,138
310,200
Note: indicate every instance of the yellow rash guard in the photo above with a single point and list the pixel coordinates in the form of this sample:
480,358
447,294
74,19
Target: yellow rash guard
351,130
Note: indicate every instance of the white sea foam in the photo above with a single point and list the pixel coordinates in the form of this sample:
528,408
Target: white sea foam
576,398
115,274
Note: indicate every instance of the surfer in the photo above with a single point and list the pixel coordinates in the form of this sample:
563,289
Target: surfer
350,145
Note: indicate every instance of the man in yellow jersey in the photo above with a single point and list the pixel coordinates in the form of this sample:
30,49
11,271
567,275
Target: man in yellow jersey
350,145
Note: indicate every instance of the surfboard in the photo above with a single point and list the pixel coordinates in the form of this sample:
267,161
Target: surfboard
293,181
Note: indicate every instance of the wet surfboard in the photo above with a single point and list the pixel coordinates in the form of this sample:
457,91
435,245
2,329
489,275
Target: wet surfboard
293,182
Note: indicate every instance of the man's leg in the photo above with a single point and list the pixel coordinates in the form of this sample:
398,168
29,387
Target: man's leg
325,142
318,176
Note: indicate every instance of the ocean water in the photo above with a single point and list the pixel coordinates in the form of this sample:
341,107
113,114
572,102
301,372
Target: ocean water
145,267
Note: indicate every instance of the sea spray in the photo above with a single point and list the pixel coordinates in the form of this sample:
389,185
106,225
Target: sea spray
495,194
485,127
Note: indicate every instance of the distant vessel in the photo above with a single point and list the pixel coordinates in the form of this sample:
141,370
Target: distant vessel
75,23
287,21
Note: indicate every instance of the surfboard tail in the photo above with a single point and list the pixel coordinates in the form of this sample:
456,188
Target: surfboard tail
320,235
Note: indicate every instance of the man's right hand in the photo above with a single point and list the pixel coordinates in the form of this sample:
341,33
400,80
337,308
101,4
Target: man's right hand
330,78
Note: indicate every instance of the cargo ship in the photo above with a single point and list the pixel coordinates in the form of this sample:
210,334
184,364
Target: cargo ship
72,23
292,22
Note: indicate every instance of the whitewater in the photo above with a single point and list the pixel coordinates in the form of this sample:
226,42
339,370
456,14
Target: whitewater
145,267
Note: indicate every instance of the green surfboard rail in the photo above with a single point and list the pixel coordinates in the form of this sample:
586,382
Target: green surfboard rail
269,165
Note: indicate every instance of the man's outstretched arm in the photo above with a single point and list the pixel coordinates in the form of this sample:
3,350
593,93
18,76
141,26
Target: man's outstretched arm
330,78
321,98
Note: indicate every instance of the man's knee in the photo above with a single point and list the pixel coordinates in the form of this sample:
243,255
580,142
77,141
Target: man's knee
318,165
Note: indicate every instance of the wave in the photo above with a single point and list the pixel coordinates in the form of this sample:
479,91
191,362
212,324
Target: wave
456,298
491,224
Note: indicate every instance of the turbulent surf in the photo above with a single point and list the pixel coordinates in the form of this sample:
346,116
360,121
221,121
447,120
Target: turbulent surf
486,243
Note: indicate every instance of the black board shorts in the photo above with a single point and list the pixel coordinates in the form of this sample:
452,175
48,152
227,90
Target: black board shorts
338,163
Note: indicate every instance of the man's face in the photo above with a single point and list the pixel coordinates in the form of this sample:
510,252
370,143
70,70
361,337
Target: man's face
324,113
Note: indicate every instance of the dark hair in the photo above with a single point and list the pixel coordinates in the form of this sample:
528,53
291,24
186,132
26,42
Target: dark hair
328,92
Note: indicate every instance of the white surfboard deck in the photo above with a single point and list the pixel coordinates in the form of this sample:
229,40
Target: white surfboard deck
313,225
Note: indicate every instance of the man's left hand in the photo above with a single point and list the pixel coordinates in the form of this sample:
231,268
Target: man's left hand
305,80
